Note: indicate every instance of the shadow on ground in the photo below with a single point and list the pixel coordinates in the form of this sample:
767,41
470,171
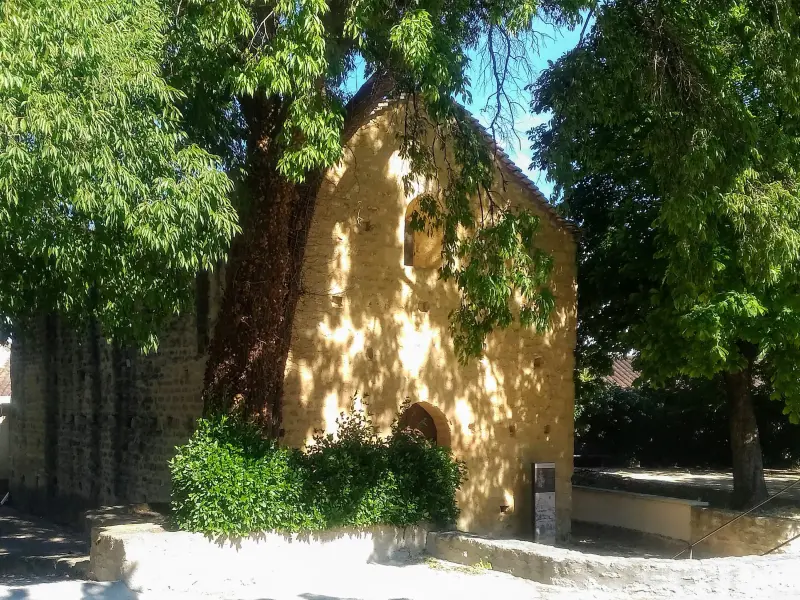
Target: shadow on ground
318,597
29,546
26,536
614,541
714,487
69,590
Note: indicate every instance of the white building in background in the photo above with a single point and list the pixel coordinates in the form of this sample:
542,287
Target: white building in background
5,401
5,373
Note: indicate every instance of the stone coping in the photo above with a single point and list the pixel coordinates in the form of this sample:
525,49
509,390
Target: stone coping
766,577
654,497
147,557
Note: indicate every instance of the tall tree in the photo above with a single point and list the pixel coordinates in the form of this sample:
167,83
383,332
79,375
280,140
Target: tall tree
127,125
674,138
106,209
264,84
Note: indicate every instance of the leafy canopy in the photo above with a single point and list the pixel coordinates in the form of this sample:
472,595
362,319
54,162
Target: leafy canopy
104,202
674,138
127,125
273,74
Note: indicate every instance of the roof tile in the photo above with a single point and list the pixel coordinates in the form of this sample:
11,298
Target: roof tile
623,374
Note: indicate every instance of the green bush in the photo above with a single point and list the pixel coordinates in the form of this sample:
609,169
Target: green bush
685,424
228,479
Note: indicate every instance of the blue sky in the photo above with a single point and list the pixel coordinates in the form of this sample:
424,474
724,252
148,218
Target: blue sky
553,45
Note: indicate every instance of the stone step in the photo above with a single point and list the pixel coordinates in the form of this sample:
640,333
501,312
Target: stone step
774,576
128,514
32,546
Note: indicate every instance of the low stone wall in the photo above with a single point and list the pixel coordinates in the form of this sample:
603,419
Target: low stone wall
685,520
746,536
761,577
146,557
668,517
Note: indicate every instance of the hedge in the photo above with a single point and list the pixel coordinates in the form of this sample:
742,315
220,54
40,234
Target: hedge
227,479
683,425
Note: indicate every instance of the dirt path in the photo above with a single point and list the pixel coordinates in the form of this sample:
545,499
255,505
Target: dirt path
714,487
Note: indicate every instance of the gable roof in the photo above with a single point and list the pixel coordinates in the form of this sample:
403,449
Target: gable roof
519,175
623,374
504,161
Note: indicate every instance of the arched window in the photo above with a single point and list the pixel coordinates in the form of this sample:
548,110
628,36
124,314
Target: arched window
427,420
421,249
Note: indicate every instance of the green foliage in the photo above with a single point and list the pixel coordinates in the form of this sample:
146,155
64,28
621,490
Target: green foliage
488,250
105,207
126,124
682,424
228,479
272,74
675,127
498,262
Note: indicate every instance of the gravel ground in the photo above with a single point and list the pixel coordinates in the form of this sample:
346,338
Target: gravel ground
373,582
37,577
425,580
417,581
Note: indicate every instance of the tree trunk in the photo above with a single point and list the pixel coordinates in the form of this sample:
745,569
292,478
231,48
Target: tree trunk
248,351
247,355
749,487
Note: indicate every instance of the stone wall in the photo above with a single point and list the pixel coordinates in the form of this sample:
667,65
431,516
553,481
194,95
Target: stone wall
746,536
97,425
373,326
5,450
658,515
756,577
5,408
687,521
149,559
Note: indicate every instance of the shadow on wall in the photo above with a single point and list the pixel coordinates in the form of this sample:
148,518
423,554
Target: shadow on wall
96,424
369,324
380,544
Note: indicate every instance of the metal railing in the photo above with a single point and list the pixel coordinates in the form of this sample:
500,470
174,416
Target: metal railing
691,545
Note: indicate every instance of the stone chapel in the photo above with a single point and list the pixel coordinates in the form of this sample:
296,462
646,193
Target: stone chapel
93,424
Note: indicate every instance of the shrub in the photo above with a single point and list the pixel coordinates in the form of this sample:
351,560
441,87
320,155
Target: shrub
685,424
228,479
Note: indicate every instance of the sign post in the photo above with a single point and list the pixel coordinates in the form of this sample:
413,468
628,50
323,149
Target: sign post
544,503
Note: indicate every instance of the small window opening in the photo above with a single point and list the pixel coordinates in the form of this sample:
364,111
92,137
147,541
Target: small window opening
421,249
408,245
428,421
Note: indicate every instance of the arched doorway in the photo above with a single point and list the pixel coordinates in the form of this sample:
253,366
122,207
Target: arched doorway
428,421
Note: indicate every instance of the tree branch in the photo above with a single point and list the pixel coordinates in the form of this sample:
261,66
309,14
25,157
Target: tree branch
586,24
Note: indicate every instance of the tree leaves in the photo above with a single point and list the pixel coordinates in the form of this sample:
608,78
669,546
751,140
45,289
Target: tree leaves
281,70
689,111
105,207
125,125
412,37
